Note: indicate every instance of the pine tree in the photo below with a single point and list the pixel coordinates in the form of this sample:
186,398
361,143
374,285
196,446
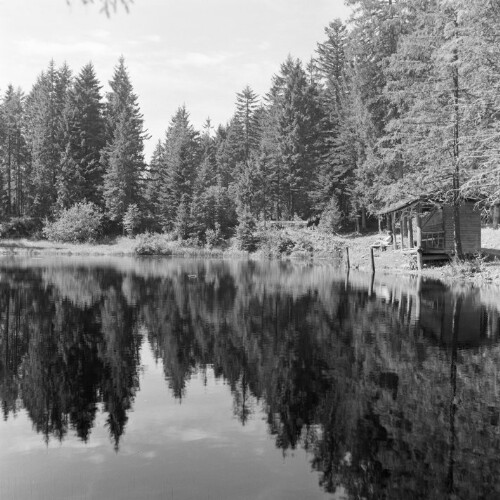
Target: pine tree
247,105
376,27
207,173
446,104
12,149
152,182
81,175
336,143
122,157
296,119
44,135
123,179
179,166
230,151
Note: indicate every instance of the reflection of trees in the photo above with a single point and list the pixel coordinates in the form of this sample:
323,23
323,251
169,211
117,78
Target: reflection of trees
353,378
356,375
64,359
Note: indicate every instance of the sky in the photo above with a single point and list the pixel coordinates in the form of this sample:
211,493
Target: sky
197,53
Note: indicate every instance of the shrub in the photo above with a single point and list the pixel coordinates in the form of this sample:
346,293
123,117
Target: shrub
19,227
152,244
214,237
285,245
276,244
79,223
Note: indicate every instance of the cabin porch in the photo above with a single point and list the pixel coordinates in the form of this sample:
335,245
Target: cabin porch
426,227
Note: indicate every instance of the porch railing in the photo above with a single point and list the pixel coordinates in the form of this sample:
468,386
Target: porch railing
434,240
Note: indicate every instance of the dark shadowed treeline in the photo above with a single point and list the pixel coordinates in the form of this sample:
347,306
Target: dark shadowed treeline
391,387
400,100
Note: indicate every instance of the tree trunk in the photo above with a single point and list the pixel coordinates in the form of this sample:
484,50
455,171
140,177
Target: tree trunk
363,218
456,159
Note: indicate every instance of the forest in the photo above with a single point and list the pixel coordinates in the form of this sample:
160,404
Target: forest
400,100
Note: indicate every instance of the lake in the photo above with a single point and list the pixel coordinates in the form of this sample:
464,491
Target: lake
194,379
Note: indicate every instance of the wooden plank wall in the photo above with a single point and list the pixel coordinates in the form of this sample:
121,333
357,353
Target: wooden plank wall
470,227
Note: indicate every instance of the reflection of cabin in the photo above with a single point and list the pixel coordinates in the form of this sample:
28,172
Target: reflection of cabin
458,318
428,226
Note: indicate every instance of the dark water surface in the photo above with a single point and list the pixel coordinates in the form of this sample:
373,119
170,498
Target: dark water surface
189,379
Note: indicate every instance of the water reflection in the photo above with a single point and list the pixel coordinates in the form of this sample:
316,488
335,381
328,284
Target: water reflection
390,385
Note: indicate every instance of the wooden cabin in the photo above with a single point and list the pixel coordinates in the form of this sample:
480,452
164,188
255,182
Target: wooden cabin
427,226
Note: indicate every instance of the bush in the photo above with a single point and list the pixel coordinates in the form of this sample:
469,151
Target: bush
19,227
214,237
152,244
276,244
79,223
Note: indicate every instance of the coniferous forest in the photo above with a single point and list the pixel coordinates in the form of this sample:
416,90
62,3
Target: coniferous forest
400,100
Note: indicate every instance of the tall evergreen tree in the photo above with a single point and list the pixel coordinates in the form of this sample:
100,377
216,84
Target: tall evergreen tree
446,103
122,157
13,149
181,158
336,143
247,105
296,120
43,131
81,173
376,27
230,153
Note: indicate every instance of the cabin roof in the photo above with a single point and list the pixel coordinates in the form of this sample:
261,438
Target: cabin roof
426,203
400,205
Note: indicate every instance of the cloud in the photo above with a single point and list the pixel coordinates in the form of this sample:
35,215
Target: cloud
49,49
197,60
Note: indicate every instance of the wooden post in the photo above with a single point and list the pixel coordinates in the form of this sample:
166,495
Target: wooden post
372,259
495,215
410,231
393,224
379,224
418,305
419,229
420,258
403,231
347,262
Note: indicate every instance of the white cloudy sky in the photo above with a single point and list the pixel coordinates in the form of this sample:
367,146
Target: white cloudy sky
193,52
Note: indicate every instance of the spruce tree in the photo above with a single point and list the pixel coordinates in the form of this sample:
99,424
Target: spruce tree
122,157
295,117
179,166
336,143
81,174
13,153
44,135
247,105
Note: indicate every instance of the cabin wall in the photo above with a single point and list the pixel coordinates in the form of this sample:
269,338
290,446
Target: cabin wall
470,228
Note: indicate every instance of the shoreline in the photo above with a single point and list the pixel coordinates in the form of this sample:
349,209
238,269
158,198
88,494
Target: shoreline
309,246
